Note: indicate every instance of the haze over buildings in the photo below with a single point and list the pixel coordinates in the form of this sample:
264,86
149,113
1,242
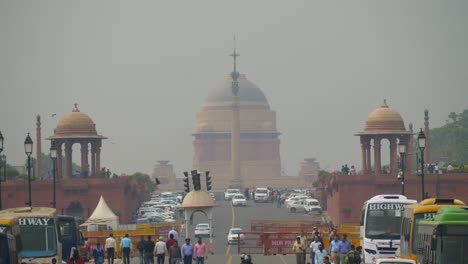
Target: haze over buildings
143,70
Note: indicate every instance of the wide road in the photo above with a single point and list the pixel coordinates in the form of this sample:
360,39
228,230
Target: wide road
225,217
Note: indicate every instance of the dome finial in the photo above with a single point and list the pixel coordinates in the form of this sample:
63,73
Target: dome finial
235,74
76,108
385,105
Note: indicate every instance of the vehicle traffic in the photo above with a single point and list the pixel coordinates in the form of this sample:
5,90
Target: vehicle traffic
239,200
202,230
37,229
229,193
262,195
380,226
413,214
235,236
312,205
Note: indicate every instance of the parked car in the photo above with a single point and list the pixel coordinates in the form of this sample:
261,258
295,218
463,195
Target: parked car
312,206
239,200
235,236
202,230
296,206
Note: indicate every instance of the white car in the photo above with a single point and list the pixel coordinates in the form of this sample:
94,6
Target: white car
230,193
234,235
239,200
395,261
296,206
312,206
202,230
294,199
262,195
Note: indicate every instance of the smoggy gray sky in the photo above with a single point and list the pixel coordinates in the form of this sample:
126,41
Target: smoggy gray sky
142,69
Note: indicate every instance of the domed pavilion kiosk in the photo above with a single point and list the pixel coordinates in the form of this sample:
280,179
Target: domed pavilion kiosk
77,128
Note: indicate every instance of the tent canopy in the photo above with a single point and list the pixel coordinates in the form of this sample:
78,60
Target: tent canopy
102,215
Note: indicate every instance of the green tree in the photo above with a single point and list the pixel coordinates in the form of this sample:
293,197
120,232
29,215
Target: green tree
143,179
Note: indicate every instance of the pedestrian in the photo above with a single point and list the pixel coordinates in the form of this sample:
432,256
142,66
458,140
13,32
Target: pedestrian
304,245
160,250
76,258
353,256
110,248
200,252
314,246
98,254
320,254
279,202
344,247
298,249
141,249
335,253
175,254
187,251
173,231
169,244
148,252
326,260
126,247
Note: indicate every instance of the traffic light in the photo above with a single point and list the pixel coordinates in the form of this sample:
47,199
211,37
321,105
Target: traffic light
196,180
158,181
186,183
208,181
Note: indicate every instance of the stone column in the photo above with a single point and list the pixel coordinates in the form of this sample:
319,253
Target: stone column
235,140
427,153
68,160
38,148
93,160
98,159
393,156
368,158
84,159
377,151
59,174
409,152
364,170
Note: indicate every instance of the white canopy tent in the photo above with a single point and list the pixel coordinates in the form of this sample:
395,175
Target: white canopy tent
102,215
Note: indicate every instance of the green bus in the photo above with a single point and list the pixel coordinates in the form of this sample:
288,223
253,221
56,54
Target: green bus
445,238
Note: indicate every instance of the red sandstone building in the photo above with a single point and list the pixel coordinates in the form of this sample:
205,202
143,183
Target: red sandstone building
77,196
348,192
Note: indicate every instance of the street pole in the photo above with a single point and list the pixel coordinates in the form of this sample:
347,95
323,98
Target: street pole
29,181
402,156
423,194
54,204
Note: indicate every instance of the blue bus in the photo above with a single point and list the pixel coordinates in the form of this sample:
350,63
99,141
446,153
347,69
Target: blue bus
70,235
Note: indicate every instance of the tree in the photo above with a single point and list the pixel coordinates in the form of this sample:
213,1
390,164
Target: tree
143,180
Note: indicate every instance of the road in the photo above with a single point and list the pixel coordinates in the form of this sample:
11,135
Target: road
224,217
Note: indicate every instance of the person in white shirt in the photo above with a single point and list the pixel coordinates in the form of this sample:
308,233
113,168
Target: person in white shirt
314,246
320,253
160,250
173,232
110,248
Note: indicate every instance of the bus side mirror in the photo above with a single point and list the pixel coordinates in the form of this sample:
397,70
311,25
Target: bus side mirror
433,243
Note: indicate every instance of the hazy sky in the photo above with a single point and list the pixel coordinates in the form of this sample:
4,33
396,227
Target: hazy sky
142,69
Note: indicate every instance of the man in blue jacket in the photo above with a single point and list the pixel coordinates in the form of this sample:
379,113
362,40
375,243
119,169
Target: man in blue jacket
126,247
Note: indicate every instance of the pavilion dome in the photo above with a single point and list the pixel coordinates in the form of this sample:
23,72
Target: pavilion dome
248,92
384,119
76,123
198,199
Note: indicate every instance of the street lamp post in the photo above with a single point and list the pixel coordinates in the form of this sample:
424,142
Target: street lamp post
53,156
1,164
401,176
422,145
28,148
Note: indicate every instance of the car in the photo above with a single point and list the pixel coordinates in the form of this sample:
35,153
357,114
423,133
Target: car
312,206
239,200
262,195
202,230
230,193
296,206
295,198
395,261
235,235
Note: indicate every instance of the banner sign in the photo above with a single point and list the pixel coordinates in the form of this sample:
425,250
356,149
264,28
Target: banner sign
279,243
34,221
386,206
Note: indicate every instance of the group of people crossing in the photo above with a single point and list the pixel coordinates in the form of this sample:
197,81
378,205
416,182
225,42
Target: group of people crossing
340,251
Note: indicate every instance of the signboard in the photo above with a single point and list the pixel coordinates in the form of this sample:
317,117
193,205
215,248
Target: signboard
36,221
386,206
279,243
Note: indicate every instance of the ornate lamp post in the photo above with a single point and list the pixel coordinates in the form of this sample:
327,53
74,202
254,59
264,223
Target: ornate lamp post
422,145
1,164
401,175
53,156
28,149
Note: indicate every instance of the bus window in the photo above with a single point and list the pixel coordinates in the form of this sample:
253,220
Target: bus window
39,238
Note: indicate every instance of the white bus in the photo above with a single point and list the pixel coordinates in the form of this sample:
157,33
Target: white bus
380,226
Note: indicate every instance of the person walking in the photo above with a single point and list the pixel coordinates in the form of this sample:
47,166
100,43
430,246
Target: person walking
344,247
173,232
200,252
187,251
175,254
304,245
98,254
141,249
314,246
148,252
169,244
353,257
110,248
126,247
326,260
298,249
75,258
320,253
335,253
160,250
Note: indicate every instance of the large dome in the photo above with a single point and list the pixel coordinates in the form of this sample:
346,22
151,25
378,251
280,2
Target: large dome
384,119
198,199
248,92
75,123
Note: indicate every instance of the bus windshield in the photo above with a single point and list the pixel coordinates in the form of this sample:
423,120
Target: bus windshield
454,249
383,220
417,218
38,237
4,251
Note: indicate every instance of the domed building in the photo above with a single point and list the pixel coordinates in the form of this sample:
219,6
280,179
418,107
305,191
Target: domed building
77,128
259,147
383,123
